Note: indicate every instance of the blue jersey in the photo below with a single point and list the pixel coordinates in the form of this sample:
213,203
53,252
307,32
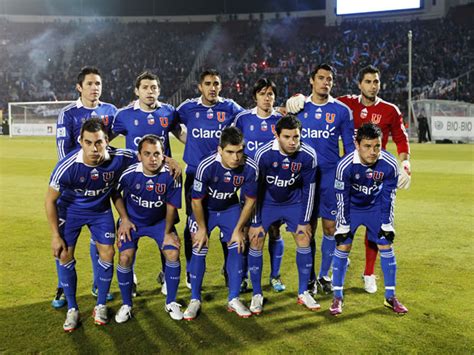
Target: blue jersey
287,179
219,185
322,127
134,123
204,125
361,187
86,189
256,130
146,196
70,120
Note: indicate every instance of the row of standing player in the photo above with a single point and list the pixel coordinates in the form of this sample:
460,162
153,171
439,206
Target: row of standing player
147,114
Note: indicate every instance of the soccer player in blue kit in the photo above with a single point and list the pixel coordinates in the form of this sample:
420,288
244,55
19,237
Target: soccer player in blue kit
366,185
70,120
287,170
144,116
215,203
258,128
79,195
151,197
325,120
204,118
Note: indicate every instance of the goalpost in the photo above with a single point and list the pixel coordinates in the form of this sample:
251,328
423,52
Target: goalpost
34,118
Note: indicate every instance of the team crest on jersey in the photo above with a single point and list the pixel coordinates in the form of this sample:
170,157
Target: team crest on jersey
94,174
285,164
151,120
105,119
369,173
295,167
149,185
238,181
164,121
221,116
160,189
227,177
108,176
210,114
330,117
318,114
363,113
135,122
376,118
264,126
378,175
275,164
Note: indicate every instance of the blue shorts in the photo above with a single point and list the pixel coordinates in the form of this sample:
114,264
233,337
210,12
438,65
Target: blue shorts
155,232
101,226
226,221
288,214
371,218
326,194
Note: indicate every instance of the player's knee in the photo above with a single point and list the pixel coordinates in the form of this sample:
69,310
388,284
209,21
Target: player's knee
171,253
303,241
125,259
257,243
329,228
344,247
107,253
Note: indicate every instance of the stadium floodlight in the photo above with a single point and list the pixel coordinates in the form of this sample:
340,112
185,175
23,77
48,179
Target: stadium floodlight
34,118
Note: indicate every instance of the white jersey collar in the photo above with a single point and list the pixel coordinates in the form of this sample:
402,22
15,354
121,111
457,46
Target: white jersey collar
139,169
356,159
199,101
79,104
254,112
330,100
80,157
136,106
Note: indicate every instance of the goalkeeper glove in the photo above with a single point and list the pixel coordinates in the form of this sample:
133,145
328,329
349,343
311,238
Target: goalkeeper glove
342,234
404,178
295,103
387,232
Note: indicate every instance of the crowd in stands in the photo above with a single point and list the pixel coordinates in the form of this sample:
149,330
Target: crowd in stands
40,61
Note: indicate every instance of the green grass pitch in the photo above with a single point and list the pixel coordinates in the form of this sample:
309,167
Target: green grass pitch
434,223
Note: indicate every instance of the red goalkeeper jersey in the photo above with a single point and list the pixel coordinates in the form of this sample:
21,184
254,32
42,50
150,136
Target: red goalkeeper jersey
384,114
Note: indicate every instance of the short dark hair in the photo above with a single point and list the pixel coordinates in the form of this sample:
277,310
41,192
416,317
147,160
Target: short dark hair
207,72
261,84
231,135
287,122
368,131
85,71
93,125
146,75
324,66
369,69
151,139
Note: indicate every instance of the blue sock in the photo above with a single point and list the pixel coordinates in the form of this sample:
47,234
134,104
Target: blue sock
105,272
68,281
197,267
312,244
276,248
389,269
172,276
234,270
304,264
125,281
57,271
339,268
245,262
328,245
94,259
255,266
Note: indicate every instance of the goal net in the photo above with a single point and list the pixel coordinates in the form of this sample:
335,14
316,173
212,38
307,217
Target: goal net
34,118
